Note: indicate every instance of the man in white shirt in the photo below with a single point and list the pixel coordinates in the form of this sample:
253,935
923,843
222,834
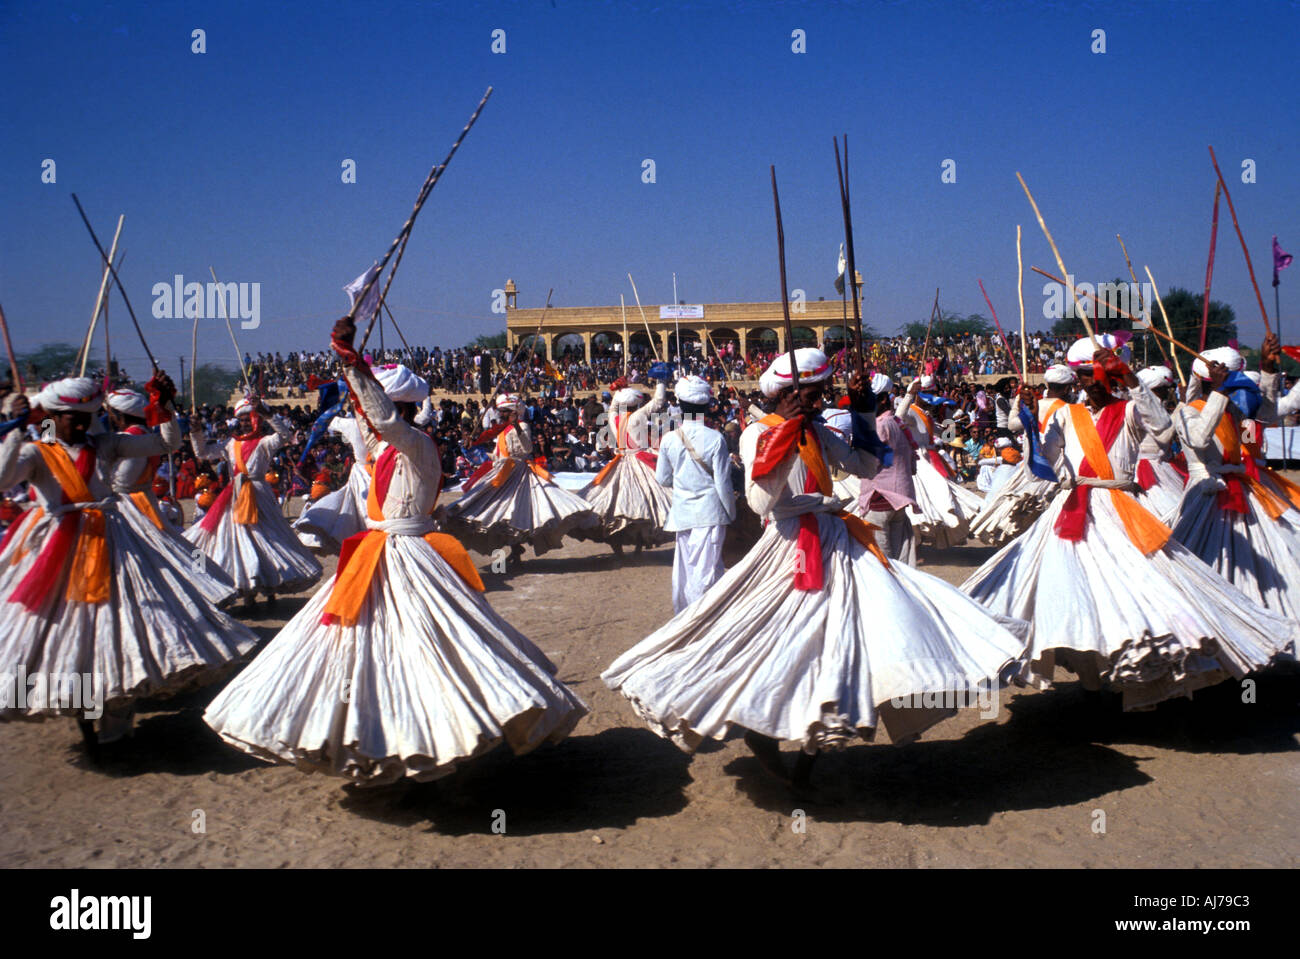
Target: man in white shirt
694,462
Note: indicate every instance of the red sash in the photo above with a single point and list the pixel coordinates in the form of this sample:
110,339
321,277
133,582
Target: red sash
212,518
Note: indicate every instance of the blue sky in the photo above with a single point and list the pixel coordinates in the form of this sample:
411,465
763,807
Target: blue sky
232,158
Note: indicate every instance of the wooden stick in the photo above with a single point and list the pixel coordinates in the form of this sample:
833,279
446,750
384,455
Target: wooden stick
1233,210
653,348
785,295
118,280
725,372
1083,314
395,326
1019,375
429,182
9,348
238,355
108,352
851,270
1209,264
926,348
1119,310
1142,305
1020,292
194,359
627,344
101,296
1182,381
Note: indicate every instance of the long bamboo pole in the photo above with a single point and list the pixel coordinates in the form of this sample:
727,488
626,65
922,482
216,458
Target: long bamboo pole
101,296
238,355
1005,342
851,275
429,182
1083,314
646,322
1182,381
627,344
9,349
1120,311
1209,265
108,261
1143,306
926,348
1233,210
1020,293
785,294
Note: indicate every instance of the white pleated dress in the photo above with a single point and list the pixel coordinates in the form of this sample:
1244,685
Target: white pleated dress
630,505
946,507
154,634
1012,509
265,555
514,503
132,480
821,667
1165,489
341,513
1258,554
429,675
1152,626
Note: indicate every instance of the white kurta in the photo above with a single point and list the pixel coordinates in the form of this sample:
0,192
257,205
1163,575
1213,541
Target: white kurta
1153,627
818,667
155,636
946,507
265,555
525,508
340,513
428,676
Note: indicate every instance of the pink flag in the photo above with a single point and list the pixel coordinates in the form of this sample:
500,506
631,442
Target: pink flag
1280,260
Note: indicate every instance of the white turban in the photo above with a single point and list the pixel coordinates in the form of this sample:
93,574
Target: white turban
127,402
77,393
1001,443
1154,377
508,401
629,397
400,384
813,368
1059,374
693,389
1252,375
880,383
244,406
1080,354
927,382
1223,354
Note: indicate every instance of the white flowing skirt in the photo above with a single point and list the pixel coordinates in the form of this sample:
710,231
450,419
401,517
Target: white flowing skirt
630,504
947,508
1258,555
326,523
428,677
1154,627
820,668
1010,510
157,634
265,555
524,509
183,557
1162,500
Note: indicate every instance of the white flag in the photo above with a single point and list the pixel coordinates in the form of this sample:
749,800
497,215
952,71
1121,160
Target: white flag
840,268
353,290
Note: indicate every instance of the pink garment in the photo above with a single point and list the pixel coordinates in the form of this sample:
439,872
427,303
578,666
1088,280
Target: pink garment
893,484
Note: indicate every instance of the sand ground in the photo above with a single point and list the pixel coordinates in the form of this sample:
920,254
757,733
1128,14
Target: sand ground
1058,778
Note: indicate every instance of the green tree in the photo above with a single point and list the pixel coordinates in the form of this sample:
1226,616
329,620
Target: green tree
52,361
950,324
1184,309
212,383
488,341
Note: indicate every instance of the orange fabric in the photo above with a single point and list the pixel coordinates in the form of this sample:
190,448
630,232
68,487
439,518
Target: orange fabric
810,452
142,500
246,502
925,420
1051,411
351,585
88,581
865,533
1225,432
503,474
457,557
538,469
604,470
1145,531
31,517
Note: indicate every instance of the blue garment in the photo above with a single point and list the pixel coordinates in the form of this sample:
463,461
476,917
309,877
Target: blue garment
699,499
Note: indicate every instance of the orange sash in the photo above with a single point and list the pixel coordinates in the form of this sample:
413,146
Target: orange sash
1145,531
142,500
28,520
246,502
1226,433
1051,411
810,453
925,421
360,557
88,581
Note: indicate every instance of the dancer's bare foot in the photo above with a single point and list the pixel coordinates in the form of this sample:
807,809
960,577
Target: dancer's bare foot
768,752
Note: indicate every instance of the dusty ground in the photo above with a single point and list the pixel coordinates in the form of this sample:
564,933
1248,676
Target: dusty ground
1206,783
